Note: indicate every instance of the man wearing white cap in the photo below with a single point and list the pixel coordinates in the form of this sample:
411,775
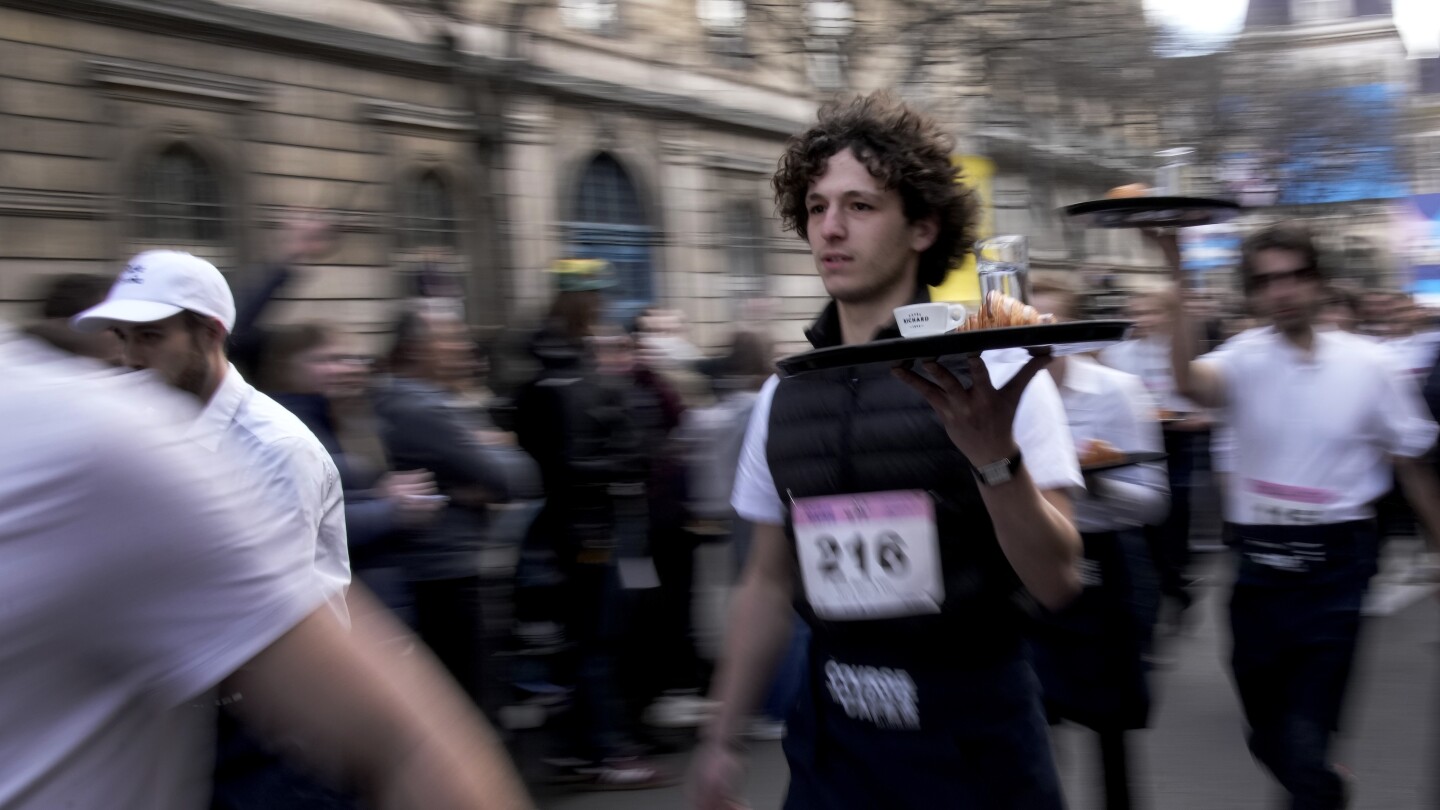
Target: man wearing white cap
173,312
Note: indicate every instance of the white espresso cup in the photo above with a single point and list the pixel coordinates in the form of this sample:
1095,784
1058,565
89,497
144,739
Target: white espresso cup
923,320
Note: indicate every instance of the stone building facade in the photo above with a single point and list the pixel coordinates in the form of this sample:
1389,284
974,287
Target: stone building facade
488,138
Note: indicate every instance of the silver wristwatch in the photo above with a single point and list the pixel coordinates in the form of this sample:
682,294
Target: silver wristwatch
998,472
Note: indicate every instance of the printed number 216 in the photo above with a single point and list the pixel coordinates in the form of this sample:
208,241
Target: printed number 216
888,551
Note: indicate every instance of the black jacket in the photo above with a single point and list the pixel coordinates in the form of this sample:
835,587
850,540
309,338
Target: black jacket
423,428
580,433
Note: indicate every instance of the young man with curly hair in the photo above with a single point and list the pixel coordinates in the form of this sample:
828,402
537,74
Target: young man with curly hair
893,509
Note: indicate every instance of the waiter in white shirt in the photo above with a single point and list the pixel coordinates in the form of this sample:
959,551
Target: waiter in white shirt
1089,655
173,312
1319,417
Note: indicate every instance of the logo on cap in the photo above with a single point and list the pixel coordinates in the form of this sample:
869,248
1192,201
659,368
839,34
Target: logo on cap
134,274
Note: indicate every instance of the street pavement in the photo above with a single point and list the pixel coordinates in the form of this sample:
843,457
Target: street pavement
1194,756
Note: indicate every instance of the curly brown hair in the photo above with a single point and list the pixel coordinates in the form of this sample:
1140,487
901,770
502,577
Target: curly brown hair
901,147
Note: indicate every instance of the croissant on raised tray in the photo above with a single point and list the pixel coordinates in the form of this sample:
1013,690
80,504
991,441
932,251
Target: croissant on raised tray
1000,310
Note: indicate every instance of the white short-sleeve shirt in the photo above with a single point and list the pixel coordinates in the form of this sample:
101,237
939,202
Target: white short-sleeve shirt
282,459
1104,404
1313,434
1149,359
135,577
1040,431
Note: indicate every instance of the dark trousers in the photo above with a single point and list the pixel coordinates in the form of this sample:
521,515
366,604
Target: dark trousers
447,617
982,743
592,608
1294,647
1169,542
679,664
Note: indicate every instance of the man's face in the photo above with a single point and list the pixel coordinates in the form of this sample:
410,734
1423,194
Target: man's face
1286,290
1148,313
862,244
169,348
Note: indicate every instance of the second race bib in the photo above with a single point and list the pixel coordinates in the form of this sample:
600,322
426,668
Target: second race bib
1280,505
869,556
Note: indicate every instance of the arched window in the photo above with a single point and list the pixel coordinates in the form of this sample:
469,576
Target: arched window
610,224
428,214
178,199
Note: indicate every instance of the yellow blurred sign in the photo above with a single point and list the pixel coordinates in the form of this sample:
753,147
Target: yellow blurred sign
963,283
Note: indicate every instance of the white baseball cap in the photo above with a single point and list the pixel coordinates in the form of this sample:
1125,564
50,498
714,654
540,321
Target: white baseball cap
158,284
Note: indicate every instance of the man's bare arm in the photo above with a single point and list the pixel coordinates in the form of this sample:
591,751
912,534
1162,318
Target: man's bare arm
1037,534
364,716
1195,380
1422,489
760,625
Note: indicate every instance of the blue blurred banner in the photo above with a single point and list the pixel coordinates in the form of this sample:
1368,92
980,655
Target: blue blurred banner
1343,150
1209,248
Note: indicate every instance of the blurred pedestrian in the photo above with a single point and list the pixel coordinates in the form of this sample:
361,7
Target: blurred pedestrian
309,369
593,466
918,694
427,425
1320,419
140,576
305,236
711,440
1090,654
1187,440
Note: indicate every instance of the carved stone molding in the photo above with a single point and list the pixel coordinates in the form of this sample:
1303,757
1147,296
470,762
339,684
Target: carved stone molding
346,220
24,202
435,121
129,77
744,164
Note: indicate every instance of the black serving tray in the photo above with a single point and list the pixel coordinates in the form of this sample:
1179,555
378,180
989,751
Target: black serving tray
1078,334
1153,212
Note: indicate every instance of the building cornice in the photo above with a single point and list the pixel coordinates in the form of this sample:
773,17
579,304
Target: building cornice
1323,33
128,75
444,120
25,202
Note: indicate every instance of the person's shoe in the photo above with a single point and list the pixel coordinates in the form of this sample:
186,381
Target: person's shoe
679,711
615,773
765,729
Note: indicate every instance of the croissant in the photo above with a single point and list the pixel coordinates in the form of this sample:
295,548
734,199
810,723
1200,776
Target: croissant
1000,310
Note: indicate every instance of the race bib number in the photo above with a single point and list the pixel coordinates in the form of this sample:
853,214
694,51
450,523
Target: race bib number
1281,505
871,556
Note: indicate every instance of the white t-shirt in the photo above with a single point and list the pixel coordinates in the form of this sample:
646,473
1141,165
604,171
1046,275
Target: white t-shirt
1415,354
1313,435
1040,432
282,459
1112,406
134,577
1149,359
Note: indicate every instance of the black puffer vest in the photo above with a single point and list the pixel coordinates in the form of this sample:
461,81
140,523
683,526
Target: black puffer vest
859,430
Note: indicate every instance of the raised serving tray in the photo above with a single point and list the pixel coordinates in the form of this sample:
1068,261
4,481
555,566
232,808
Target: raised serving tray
1072,337
1153,212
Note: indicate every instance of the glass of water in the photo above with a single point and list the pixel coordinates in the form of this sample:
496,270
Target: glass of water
1003,263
